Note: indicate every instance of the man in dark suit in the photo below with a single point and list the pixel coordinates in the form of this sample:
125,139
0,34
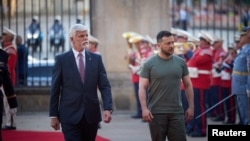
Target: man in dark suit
6,87
73,99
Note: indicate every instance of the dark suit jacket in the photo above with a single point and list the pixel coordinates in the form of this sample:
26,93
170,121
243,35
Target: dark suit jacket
70,99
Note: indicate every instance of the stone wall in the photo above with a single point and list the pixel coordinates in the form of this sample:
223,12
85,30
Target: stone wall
109,20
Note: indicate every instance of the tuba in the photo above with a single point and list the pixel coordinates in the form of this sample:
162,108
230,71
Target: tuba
182,48
133,54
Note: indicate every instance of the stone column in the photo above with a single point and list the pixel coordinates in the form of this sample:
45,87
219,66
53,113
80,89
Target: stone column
109,20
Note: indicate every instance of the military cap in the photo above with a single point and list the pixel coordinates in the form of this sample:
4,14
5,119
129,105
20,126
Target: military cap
244,30
151,40
206,36
136,38
215,38
182,33
173,31
7,31
93,39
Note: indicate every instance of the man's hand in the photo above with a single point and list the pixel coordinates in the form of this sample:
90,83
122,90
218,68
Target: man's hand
107,116
147,115
189,114
55,123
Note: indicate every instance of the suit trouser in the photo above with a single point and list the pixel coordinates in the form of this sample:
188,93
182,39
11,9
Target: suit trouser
82,131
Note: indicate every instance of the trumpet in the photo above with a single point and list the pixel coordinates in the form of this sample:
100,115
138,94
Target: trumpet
182,48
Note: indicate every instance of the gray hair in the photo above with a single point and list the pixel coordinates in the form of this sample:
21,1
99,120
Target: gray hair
77,27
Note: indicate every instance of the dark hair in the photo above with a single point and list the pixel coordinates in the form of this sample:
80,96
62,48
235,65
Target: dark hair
162,34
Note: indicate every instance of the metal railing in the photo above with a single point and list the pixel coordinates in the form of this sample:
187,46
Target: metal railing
222,17
17,15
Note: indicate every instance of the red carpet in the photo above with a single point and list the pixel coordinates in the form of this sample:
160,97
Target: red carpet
17,135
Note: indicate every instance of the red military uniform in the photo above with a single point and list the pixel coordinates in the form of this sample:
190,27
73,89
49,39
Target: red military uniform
218,55
200,66
11,50
8,36
202,60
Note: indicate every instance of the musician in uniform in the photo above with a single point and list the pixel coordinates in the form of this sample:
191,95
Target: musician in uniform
8,40
215,94
133,57
183,50
241,77
6,87
200,66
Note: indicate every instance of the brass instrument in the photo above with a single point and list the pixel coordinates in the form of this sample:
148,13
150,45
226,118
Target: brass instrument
127,36
133,54
181,48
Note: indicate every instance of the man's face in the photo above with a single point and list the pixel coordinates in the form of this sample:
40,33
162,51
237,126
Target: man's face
6,38
217,44
167,45
80,40
203,43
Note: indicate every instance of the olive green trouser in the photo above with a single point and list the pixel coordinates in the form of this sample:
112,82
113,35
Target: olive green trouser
170,126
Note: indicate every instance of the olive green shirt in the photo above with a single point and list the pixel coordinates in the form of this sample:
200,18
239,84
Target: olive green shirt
164,92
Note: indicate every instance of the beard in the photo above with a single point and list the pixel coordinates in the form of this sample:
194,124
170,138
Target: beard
167,53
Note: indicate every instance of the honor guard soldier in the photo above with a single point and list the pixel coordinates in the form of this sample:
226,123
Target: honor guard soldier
241,77
6,87
200,66
8,40
226,87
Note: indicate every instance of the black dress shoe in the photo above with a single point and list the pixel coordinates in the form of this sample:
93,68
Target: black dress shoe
9,128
